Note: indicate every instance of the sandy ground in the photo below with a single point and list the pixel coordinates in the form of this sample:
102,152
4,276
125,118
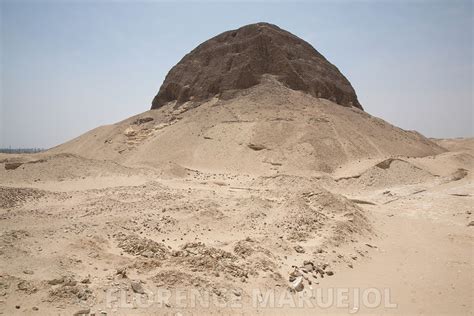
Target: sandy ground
272,202
95,236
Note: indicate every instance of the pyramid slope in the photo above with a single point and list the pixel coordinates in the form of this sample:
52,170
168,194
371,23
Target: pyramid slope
266,129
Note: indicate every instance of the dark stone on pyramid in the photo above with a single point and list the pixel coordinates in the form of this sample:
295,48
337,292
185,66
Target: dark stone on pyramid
237,59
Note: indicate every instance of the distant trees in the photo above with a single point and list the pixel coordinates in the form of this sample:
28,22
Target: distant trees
21,150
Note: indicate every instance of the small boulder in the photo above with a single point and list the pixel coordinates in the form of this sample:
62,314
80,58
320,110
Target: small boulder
299,249
308,266
137,287
56,281
297,284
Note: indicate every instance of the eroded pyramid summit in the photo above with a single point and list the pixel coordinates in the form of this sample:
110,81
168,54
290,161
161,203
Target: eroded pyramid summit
237,59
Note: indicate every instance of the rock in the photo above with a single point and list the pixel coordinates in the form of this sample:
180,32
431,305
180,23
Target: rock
471,223
12,165
320,271
22,285
142,120
28,272
329,273
459,174
82,312
256,147
122,272
299,249
56,281
137,287
86,281
129,132
308,266
297,284
35,308
237,60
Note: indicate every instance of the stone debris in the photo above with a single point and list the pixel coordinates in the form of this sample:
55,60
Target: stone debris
139,246
302,273
69,290
26,287
248,247
12,197
206,259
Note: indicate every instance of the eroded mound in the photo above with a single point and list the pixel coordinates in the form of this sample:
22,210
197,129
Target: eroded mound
388,173
237,59
58,167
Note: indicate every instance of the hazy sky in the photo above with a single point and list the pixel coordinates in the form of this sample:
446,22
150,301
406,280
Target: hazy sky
67,67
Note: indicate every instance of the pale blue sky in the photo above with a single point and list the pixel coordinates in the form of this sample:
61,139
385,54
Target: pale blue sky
68,67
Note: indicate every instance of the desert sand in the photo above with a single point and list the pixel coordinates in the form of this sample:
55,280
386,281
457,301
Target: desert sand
271,191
